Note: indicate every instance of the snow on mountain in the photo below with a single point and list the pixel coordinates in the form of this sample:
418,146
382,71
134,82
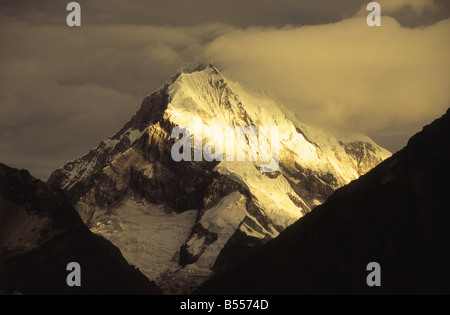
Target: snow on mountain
397,215
139,228
182,222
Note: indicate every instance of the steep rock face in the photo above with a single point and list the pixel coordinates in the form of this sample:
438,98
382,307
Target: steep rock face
75,177
397,215
237,207
40,233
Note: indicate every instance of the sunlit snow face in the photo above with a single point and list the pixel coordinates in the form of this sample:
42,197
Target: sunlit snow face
231,144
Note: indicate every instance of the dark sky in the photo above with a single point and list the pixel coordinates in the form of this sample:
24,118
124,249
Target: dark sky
241,13
63,90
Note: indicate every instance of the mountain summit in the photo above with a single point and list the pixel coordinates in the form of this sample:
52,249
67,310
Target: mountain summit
181,222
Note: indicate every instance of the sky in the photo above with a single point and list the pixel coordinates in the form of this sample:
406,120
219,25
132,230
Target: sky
63,90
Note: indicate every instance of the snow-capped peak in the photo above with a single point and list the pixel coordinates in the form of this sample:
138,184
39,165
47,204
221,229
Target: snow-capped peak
236,205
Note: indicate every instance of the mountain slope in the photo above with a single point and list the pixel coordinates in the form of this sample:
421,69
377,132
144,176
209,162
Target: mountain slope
41,233
397,215
206,216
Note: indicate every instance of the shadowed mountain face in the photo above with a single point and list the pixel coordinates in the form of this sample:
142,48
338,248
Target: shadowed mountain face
397,215
41,233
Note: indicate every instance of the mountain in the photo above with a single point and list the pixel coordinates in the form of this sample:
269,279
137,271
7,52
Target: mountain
41,233
182,222
397,215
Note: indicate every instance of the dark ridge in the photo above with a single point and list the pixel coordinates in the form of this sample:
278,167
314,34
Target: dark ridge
41,233
397,215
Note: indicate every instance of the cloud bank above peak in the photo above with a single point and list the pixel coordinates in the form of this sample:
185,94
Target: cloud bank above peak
344,75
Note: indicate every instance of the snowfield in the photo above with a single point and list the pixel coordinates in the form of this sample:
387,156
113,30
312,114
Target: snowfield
148,237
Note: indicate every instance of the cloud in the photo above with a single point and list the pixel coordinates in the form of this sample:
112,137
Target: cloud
63,90
346,75
412,13
188,13
240,13
417,6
